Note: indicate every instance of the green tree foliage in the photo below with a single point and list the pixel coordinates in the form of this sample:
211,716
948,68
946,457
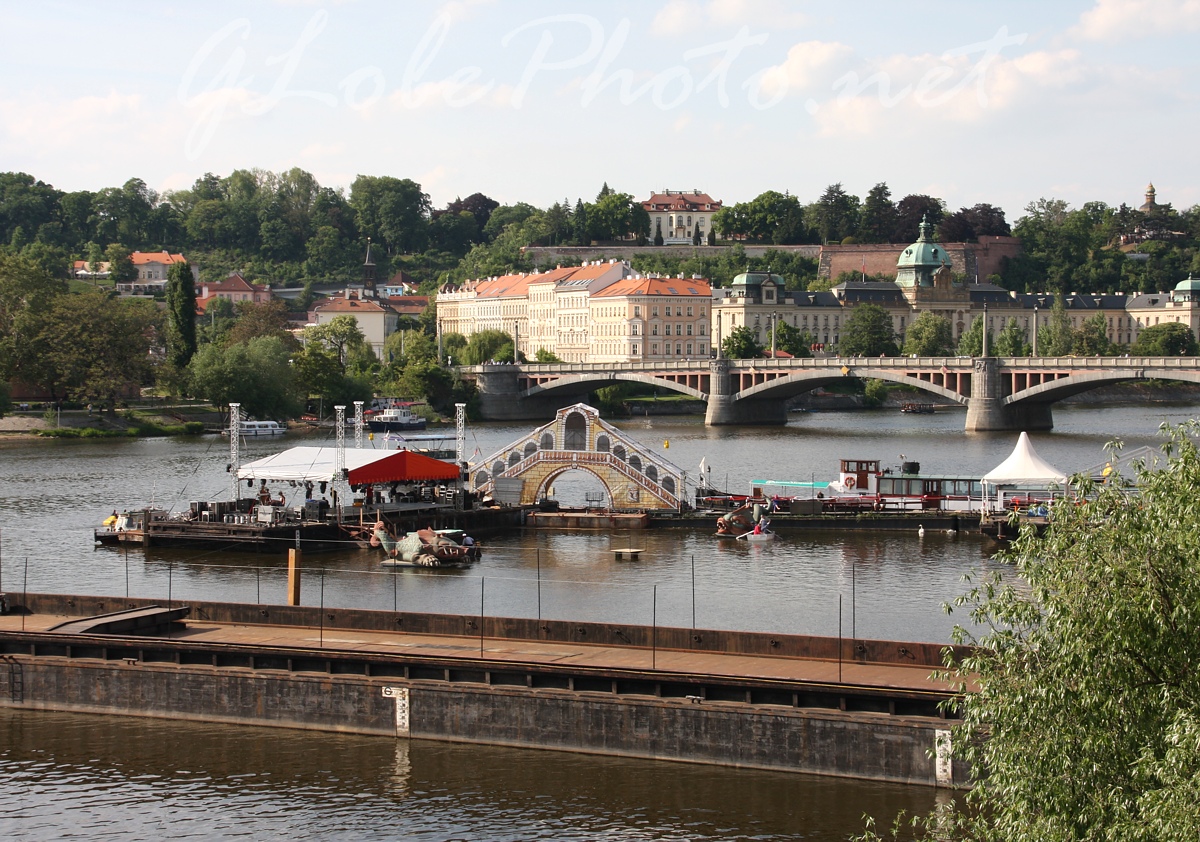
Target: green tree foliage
392,211
910,211
878,218
258,374
970,344
488,346
181,315
267,319
98,348
120,268
868,332
1173,339
875,392
793,340
1056,338
741,344
930,335
340,335
1082,720
835,214
658,237
544,356
969,224
27,293
1012,341
1091,339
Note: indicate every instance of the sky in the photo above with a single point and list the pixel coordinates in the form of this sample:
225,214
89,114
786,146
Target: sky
1082,100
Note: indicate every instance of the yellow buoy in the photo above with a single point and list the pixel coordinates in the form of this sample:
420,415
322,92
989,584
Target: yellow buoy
666,445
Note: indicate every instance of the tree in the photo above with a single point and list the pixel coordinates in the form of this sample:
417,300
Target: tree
658,237
544,356
1082,719
910,211
27,294
1091,340
1173,339
258,374
696,236
1011,341
835,214
741,344
868,332
120,267
98,348
878,218
488,345
340,334
1056,338
791,339
181,314
930,335
392,211
970,344
267,319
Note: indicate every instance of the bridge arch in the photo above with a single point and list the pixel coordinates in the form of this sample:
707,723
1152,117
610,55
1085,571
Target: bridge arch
573,382
805,381
1065,387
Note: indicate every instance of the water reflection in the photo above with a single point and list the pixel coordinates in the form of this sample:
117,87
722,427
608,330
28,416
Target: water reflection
111,778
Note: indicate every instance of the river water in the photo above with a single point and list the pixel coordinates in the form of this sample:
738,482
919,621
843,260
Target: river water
112,778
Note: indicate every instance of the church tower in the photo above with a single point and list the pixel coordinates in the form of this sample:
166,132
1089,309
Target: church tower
369,274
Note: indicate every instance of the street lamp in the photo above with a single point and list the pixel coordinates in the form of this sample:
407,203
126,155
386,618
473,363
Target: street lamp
985,331
1035,329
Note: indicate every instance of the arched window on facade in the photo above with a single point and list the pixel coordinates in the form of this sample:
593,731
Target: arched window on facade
547,442
602,443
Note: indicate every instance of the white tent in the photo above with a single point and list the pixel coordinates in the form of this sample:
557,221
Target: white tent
313,464
1024,467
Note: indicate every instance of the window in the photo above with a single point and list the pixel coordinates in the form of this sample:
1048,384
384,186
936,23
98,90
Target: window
654,330
679,349
654,348
678,329
689,330
654,311
689,349
635,349
637,310
689,311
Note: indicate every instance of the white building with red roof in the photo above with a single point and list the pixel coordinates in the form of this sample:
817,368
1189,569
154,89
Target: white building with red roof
235,288
377,320
679,213
153,265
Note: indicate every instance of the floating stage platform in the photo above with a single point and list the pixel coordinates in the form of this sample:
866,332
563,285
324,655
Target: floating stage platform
859,708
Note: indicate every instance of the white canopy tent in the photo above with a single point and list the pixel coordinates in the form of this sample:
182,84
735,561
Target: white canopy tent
311,464
1023,469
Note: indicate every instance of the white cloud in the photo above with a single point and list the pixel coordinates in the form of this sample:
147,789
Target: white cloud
1122,20
809,65
677,17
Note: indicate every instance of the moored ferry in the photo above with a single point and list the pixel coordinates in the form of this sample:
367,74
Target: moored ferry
251,429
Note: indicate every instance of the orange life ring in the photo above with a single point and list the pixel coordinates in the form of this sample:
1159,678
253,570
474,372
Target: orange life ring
850,481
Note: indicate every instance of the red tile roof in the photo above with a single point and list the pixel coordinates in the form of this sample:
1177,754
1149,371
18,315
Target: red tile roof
680,201
141,258
657,286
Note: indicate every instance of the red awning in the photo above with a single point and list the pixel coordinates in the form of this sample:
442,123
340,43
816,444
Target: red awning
403,466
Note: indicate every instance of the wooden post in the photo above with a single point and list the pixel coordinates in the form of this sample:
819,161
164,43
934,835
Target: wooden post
293,588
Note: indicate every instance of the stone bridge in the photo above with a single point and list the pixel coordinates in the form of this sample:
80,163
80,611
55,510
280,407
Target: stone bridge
578,440
1000,393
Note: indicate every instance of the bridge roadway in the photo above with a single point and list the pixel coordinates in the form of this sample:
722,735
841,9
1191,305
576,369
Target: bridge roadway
1000,393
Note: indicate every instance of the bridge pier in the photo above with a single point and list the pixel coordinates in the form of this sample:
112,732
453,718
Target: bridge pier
986,409
724,409
500,397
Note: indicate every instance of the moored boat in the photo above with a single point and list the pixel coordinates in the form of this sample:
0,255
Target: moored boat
252,429
395,419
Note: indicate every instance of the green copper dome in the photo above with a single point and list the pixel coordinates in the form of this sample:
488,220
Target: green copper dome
1188,284
755,279
921,260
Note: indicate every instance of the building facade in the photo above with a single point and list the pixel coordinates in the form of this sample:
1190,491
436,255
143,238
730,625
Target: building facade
598,312
678,214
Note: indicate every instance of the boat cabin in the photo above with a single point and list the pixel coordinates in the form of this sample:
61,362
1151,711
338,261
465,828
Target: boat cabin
859,475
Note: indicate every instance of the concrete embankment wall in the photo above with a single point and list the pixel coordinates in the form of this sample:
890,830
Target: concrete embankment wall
822,729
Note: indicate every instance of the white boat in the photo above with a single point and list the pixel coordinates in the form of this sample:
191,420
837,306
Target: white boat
252,429
757,537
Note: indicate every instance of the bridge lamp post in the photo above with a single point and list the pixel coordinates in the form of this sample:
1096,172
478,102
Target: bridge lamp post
985,331
1035,330
774,324
718,342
